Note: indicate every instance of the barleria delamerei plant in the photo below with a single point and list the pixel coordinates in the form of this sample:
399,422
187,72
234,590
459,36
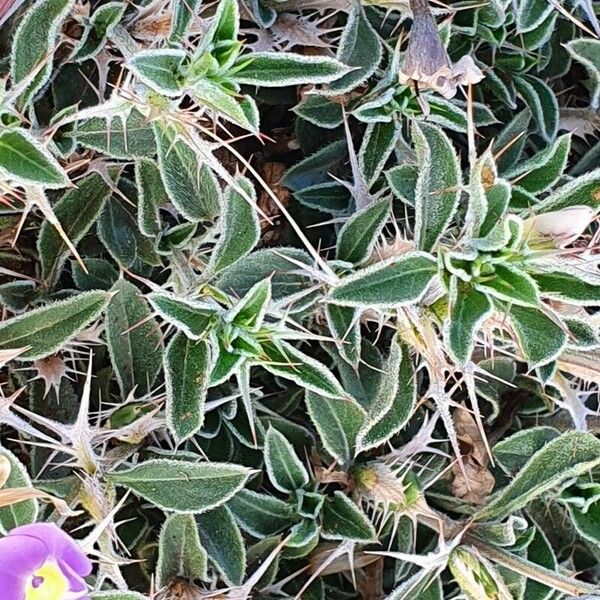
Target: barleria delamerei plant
299,299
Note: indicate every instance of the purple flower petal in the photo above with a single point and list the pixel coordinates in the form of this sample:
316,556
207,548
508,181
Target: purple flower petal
12,587
60,545
76,582
20,557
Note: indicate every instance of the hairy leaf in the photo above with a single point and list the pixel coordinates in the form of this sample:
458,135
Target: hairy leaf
572,454
180,553
343,520
134,340
394,282
181,486
25,160
187,371
190,184
34,43
269,69
46,330
438,186
338,422
359,234
240,229
77,211
285,470
20,513
223,541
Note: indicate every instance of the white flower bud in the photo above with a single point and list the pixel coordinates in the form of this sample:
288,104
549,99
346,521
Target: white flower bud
561,226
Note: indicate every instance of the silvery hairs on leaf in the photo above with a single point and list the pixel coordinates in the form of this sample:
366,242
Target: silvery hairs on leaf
426,62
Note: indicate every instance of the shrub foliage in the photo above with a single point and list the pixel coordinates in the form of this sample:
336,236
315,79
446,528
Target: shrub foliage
299,298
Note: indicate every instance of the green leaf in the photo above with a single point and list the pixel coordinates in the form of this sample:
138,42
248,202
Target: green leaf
514,451
500,88
584,509
395,402
34,43
224,543
17,295
239,226
180,486
469,310
403,181
315,169
284,360
47,329
194,318
286,471
270,69
542,103
498,198
544,169
224,102
303,539
177,237
344,520
333,198
539,36
134,340
151,195
180,553
531,13
77,211
226,26
250,311
320,111
117,230
26,161
101,25
360,48
263,15
183,18
560,285
359,234
587,52
423,585
267,263
571,455
20,513
261,515
101,274
452,115
493,14
582,332
160,69
511,141
377,146
540,337
511,284
540,552
483,170
188,367
581,191
190,184
338,422
124,136
344,324
438,186
394,282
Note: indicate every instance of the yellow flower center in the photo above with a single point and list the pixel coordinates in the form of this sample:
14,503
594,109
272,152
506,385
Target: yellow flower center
47,583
